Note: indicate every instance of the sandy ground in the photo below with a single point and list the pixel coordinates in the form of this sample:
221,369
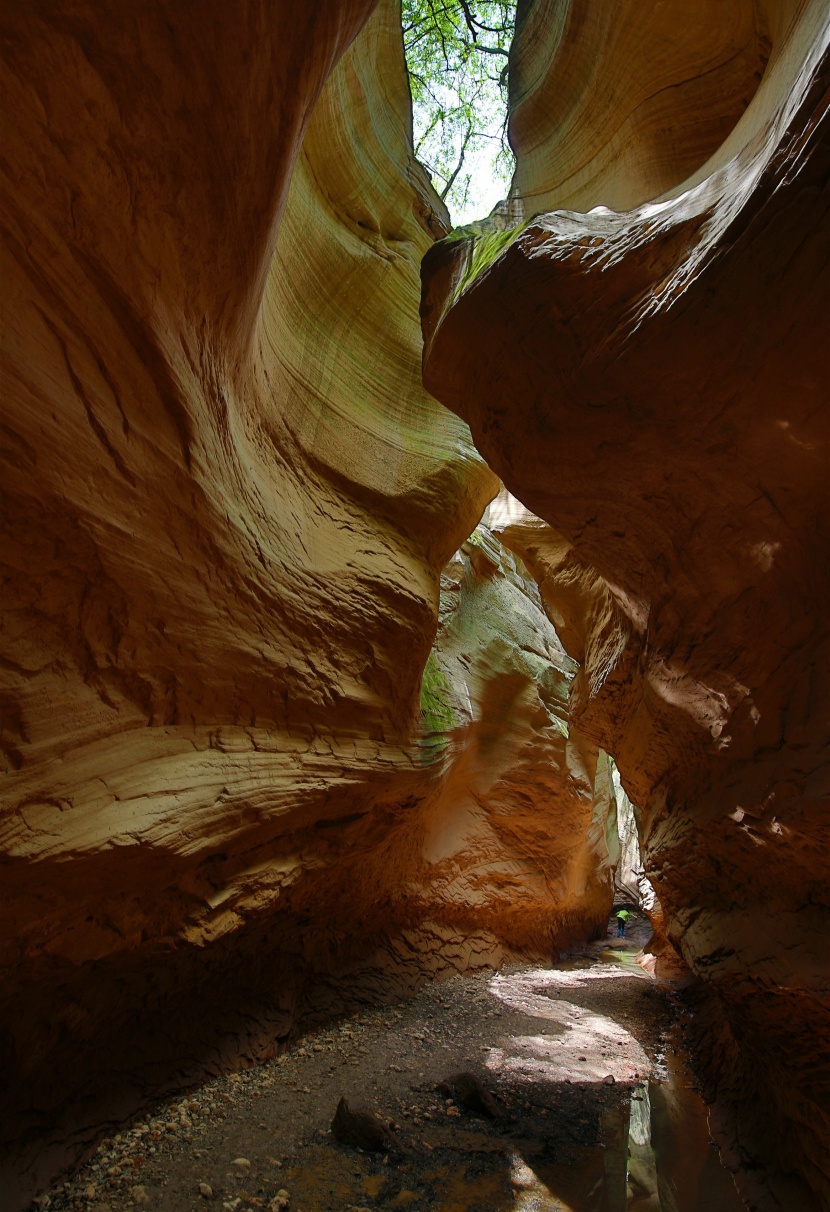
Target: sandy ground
563,1049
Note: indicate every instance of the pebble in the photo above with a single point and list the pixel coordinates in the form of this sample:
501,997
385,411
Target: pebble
140,1195
361,1128
468,1092
132,1156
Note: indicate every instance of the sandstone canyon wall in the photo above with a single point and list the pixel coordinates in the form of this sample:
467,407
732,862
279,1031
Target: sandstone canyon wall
644,361
228,501
495,700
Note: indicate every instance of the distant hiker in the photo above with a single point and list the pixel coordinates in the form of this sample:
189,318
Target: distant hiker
622,917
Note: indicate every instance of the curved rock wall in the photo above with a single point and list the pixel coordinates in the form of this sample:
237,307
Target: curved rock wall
521,830
654,385
614,104
228,502
217,607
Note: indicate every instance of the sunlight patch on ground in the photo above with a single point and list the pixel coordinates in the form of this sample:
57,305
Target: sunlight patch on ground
532,1194
577,1045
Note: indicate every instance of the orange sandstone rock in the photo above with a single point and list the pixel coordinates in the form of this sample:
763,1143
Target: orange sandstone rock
228,502
654,384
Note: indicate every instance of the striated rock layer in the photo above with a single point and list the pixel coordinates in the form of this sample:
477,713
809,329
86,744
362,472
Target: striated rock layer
653,383
228,502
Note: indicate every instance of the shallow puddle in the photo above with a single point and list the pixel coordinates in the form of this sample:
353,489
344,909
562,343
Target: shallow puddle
653,1151
655,1156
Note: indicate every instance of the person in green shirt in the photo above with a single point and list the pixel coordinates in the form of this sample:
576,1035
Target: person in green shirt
622,917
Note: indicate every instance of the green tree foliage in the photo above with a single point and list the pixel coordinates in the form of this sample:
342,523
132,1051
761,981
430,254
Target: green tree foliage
456,52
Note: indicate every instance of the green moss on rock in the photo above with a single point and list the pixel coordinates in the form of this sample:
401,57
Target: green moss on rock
437,712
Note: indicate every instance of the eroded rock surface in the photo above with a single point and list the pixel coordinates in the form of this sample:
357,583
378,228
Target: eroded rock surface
228,502
653,383
522,827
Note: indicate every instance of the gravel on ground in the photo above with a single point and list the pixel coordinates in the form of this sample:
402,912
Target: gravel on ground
560,1050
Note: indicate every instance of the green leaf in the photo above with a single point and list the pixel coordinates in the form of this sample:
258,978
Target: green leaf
459,104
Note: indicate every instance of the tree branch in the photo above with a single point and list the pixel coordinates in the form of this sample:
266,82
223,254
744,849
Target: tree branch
468,17
460,164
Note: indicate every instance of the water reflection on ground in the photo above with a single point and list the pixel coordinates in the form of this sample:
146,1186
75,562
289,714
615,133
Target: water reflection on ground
655,1156
653,1152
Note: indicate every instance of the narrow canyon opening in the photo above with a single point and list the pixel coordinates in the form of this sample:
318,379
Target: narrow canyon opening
390,601
457,58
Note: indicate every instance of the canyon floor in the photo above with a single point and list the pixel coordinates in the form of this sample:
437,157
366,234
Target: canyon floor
596,1109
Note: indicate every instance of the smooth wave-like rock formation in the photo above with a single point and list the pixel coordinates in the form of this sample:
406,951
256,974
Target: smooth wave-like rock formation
228,504
523,821
653,383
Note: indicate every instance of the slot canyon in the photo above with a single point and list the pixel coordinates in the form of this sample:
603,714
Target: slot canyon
351,561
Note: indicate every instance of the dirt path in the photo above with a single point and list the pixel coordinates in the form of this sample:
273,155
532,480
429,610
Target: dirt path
565,1051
